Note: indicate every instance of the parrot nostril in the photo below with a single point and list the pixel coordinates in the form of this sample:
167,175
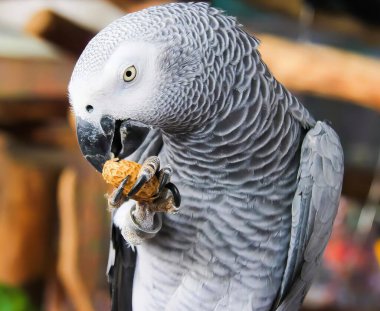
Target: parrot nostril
89,108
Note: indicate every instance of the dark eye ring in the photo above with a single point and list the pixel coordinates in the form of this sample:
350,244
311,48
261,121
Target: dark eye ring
129,74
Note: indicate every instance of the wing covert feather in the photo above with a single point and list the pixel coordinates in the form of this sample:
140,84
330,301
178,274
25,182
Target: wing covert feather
313,212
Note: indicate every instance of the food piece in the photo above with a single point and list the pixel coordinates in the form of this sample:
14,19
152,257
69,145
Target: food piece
114,171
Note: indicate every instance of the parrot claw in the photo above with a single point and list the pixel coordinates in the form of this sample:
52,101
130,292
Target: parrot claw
167,204
175,194
148,169
142,179
164,177
162,202
116,197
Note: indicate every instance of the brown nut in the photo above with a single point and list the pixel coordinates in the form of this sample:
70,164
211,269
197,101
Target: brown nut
114,171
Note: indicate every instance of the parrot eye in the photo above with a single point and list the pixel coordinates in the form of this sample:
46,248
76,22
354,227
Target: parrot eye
129,74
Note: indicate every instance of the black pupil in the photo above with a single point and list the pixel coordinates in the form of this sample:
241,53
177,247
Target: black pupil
128,73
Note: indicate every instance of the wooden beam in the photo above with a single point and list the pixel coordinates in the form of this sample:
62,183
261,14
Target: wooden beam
19,112
69,243
341,23
347,25
137,5
59,30
28,217
323,70
290,7
31,79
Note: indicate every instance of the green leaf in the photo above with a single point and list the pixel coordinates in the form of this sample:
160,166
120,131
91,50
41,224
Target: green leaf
14,299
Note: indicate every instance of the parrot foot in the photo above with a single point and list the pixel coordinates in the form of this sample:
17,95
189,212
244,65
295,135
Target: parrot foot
161,202
144,220
167,203
139,224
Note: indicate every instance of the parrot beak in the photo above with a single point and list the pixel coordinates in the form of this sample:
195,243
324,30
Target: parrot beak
115,138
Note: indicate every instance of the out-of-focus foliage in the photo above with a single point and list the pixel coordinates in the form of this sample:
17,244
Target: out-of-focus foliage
14,299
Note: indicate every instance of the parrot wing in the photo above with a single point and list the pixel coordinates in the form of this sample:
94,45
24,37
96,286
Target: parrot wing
313,212
122,257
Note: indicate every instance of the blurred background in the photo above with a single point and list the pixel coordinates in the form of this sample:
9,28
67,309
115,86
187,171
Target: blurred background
54,226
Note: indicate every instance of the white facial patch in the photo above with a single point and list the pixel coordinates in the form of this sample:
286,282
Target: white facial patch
106,93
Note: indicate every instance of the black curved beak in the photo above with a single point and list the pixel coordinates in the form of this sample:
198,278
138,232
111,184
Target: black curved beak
115,138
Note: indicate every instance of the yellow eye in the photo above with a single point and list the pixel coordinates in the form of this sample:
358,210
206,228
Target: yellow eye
129,74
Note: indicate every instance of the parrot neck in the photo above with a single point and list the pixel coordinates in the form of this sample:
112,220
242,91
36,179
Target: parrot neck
238,148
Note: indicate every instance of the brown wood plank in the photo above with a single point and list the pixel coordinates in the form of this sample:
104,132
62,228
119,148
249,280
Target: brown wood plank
28,217
323,70
33,90
340,23
59,30
34,78
30,110
68,270
136,5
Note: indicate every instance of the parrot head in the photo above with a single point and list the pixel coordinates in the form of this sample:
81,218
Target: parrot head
158,68
115,105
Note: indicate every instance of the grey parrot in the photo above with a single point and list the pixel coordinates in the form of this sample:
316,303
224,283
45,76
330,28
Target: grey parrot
258,177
